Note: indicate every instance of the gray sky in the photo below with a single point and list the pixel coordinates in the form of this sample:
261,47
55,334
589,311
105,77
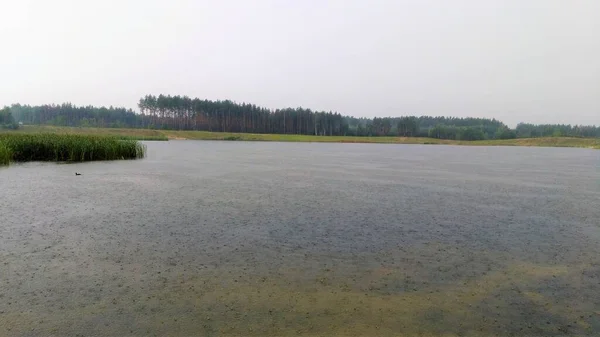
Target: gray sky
516,60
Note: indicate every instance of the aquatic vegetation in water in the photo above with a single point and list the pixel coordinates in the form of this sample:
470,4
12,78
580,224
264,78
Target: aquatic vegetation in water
75,148
400,299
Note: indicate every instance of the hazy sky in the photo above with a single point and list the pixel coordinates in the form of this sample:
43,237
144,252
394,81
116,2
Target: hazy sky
516,60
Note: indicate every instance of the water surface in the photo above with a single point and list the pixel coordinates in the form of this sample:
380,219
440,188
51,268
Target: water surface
255,239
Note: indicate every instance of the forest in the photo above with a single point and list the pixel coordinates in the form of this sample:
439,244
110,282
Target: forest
7,120
184,113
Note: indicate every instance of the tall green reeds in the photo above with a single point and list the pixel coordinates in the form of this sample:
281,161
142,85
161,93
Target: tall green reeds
63,147
5,154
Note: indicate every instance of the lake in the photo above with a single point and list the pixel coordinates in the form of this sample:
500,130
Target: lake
277,239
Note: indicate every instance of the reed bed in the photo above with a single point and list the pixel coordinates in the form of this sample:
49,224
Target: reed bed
5,154
67,147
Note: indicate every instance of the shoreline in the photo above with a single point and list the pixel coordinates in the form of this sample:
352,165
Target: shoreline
150,134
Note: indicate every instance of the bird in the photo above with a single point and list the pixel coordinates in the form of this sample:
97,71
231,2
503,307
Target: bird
77,174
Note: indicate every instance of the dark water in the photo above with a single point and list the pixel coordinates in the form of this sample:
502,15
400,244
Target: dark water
273,239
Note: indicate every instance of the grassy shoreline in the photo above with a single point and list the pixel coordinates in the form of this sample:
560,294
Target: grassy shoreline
148,134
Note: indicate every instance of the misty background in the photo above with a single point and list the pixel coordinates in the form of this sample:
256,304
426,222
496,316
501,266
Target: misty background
515,60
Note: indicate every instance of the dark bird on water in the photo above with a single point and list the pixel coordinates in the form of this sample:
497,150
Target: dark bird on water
77,174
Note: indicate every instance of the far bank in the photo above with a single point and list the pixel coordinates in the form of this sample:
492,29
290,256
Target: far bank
151,134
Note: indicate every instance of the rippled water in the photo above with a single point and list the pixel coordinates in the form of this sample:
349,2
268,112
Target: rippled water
257,239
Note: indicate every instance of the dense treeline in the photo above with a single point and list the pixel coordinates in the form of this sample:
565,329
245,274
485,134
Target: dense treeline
427,126
185,113
6,119
67,114
556,130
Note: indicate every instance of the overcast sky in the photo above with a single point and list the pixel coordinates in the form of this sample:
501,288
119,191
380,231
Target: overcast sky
516,60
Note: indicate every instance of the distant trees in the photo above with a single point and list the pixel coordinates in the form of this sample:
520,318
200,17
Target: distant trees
442,131
425,126
67,114
6,119
408,126
185,113
470,133
504,132
524,130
